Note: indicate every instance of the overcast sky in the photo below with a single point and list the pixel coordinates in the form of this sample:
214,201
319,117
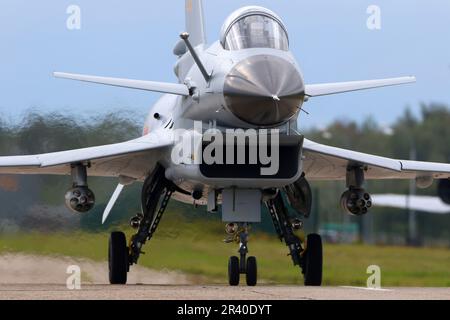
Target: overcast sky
134,39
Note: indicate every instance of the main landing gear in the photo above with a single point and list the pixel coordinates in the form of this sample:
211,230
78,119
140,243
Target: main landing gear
310,257
156,194
241,265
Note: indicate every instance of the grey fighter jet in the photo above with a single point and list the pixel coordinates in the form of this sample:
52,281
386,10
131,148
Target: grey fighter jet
247,86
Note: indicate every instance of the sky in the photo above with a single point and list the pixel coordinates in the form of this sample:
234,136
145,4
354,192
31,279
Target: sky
135,38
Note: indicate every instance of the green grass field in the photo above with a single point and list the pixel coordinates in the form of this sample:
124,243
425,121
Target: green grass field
195,247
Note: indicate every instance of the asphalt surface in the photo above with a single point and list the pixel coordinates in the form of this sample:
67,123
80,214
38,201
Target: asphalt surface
192,292
44,278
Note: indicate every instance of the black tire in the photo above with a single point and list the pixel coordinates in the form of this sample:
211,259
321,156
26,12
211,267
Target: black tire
252,272
313,261
118,258
233,271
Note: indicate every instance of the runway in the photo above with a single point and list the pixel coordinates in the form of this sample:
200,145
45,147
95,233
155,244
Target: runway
25,277
191,292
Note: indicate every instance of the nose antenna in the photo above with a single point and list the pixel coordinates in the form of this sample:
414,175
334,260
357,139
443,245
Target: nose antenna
185,37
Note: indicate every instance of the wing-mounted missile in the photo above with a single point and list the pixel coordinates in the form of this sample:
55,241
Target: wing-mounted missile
79,198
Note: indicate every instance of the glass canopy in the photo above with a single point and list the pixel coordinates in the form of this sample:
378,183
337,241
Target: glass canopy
256,31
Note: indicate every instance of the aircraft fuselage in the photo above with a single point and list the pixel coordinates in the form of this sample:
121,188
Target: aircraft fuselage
249,89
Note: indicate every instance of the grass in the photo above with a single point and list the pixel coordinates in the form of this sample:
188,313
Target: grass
195,247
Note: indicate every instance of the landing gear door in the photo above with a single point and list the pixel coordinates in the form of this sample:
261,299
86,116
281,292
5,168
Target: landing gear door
241,205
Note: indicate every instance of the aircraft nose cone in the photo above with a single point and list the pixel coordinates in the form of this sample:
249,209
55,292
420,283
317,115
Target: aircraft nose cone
264,90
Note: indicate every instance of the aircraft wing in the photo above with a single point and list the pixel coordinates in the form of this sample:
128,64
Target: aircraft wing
323,162
317,90
134,159
162,87
418,203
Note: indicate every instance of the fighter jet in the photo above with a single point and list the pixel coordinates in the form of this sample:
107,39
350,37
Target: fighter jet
247,86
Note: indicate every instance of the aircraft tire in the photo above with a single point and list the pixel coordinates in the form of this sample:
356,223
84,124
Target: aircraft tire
252,272
313,261
233,271
118,258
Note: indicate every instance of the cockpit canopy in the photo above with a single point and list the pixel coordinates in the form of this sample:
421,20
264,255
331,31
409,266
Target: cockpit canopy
254,27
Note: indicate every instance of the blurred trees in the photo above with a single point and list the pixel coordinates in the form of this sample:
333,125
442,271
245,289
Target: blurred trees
39,201
428,134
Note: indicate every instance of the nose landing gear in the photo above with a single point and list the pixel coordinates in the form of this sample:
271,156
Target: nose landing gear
242,265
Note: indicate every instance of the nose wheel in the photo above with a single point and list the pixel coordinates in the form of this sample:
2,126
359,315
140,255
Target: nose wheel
251,272
234,271
242,265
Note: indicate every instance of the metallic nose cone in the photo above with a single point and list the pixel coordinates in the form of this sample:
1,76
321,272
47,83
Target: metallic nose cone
264,90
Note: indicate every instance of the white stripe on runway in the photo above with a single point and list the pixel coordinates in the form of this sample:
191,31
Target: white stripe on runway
367,289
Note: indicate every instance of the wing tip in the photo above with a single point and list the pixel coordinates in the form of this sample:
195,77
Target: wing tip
412,79
57,74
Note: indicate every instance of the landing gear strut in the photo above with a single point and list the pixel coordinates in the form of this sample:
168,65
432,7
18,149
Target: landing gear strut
156,194
242,265
308,258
